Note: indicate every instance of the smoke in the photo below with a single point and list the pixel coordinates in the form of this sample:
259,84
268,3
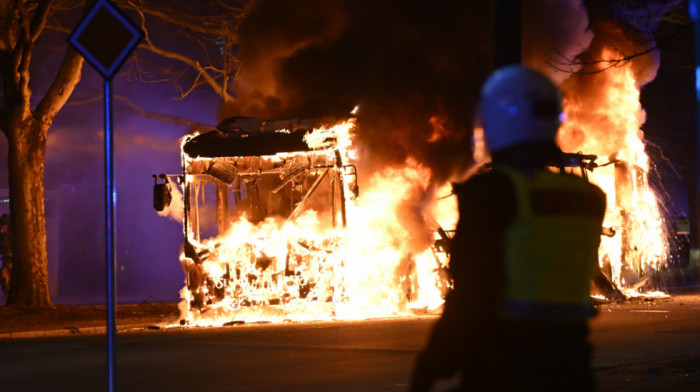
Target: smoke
558,36
624,32
414,68
555,32
176,209
620,40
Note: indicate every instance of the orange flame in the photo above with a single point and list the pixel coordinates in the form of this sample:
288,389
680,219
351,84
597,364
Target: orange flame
303,268
610,126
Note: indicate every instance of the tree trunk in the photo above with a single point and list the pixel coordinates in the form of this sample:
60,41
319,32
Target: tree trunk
29,285
26,130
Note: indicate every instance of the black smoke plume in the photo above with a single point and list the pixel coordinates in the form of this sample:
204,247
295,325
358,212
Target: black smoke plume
414,67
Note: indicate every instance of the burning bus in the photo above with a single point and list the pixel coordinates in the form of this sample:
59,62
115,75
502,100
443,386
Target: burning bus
271,227
276,228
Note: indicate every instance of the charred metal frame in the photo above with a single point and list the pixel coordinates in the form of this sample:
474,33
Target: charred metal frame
319,165
280,176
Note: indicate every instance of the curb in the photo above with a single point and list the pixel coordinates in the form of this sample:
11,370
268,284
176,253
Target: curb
67,331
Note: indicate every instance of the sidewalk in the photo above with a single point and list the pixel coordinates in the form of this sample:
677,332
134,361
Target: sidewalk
60,320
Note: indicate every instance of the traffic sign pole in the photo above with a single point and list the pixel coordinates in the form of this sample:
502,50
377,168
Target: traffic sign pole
106,37
110,196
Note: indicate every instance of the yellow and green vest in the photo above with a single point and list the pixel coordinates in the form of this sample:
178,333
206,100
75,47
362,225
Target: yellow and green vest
552,245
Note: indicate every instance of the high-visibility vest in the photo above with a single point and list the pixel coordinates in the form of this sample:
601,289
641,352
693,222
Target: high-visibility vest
551,247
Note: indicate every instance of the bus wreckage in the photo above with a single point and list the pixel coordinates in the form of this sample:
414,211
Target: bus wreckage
266,209
275,229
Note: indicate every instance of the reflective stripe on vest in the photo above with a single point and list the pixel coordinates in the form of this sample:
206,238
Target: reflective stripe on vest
552,245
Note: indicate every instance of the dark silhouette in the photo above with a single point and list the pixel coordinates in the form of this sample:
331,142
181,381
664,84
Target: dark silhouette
522,257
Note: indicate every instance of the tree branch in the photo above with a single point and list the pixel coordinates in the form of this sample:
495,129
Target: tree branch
219,30
606,63
562,65
202,71
241,8
58,28
61,88
21,58
139,110
163,117
188,21
39,20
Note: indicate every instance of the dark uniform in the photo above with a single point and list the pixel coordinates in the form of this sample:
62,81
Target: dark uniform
521,262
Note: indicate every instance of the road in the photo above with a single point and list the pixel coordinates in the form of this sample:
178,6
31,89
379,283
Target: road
639,342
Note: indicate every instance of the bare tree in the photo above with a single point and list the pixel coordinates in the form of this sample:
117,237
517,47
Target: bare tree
203,54
26,129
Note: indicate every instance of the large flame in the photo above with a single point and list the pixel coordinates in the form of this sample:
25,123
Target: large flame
384,259
609,126
305,268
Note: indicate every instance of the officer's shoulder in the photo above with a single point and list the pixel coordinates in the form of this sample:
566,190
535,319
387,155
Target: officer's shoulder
483,183
484,178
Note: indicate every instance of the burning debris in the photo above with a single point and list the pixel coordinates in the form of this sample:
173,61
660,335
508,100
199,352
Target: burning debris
275,228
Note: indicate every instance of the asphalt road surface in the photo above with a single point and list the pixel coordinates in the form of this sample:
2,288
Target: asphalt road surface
639,346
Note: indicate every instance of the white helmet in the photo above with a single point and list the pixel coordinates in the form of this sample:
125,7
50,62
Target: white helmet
518,105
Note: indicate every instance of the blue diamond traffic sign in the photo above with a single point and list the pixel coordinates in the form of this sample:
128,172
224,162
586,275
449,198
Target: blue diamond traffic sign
105,37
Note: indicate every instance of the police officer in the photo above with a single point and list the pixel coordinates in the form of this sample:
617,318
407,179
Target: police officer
522,257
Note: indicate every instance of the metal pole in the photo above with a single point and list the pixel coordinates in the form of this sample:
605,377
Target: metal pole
110,194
